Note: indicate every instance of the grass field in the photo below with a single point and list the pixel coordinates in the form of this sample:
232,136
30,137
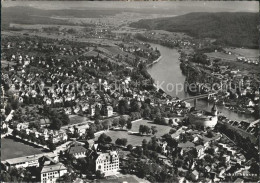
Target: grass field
135,139
231,61
221,55
245,52
244,67
12,148
75,119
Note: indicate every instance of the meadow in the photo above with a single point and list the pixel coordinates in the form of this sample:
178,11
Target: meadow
136,139
13,148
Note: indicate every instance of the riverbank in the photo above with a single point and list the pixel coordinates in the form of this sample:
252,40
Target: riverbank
168,73
154,62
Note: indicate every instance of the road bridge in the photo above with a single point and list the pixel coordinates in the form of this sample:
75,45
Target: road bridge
200,96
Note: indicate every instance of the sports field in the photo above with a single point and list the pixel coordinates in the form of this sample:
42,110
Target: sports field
136,139
12,148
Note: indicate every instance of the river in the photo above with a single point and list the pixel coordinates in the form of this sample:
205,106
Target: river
168,75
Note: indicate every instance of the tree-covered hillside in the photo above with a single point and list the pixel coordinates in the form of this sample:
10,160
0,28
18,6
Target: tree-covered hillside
233,29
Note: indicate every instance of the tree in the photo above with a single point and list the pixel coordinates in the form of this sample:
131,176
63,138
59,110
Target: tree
124,141
129,147
144,144
121,142
138,150
90,134
147,113
64,118
106,124
123,106
56,124
104,139
118,141
170,121
68,177
42,140
115,122
7,109
36,125
179,163
141,129
122,121
210,134
5,177
51,146
172,131
147,130
97,112
15,132
163,121
86,145
134,106
157,120
14,103
32,137
99,174
154,130
23,134
129,125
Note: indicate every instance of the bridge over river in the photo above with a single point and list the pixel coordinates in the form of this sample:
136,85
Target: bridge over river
199,96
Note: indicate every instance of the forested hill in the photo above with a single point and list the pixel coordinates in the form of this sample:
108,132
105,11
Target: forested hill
233,29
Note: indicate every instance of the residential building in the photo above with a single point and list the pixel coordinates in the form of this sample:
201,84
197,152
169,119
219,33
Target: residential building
200,150
109,111
195,175
78,151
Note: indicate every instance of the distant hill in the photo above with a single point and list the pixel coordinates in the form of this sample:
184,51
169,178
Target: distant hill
30,15
233,29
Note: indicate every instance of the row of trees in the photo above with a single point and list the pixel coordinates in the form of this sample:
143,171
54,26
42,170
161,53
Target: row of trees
151,171
144,129
16,175
32,138
121,141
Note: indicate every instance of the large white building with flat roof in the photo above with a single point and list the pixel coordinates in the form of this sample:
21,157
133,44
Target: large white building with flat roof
27,161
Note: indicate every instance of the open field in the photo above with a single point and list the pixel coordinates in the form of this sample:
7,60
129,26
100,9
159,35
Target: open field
75,119
231,61
250,53
135,139
123,178
244,67
12,148
221,55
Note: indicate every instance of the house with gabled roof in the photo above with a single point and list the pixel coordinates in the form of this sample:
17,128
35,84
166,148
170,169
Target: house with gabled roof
51,170
78,151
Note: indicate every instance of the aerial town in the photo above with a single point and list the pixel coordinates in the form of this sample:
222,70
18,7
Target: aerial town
84,104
